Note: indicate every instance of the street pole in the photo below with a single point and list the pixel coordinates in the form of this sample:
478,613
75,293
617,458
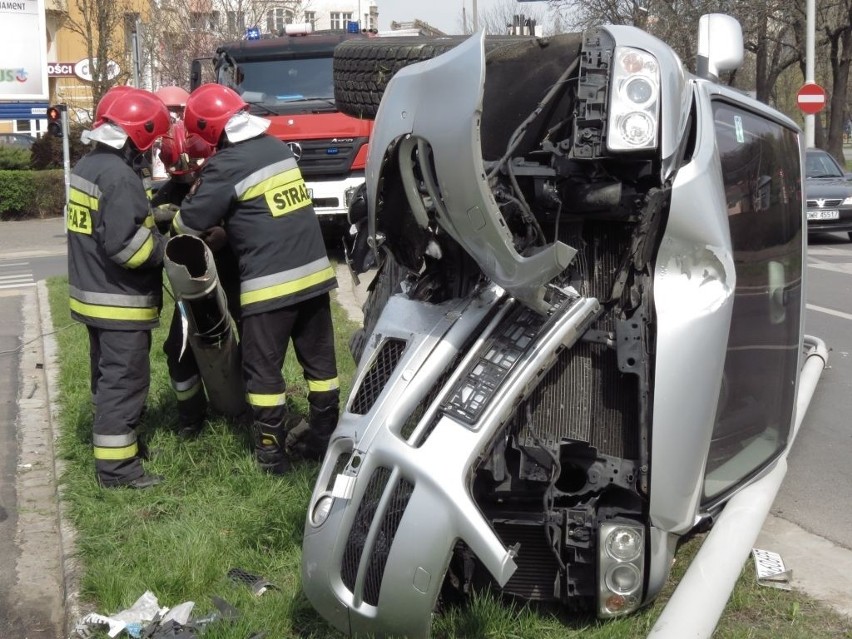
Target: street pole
475,18
66,162
809,66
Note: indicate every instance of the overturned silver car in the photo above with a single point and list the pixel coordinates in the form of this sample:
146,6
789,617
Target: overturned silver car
585,339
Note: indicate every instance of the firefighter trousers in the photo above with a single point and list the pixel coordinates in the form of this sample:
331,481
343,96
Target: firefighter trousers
265,338
184,375
120,376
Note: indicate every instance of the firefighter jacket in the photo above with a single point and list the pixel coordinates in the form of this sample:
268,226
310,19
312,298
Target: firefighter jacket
115,253
255,189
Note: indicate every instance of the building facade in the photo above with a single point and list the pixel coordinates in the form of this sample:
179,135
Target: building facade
151,43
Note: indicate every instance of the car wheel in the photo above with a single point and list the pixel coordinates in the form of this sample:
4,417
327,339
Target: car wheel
363,68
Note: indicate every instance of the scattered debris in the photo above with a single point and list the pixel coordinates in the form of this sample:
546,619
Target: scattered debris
258,585
145,619
771,570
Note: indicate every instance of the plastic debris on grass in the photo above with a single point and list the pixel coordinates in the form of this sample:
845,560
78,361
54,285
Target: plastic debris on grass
771,570
145,619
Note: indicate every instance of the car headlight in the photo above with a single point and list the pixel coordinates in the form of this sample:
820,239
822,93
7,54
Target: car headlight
623,579
624,544
621,566
848,201
635,104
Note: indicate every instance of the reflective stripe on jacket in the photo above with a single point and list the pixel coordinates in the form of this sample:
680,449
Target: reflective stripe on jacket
115,253
255,189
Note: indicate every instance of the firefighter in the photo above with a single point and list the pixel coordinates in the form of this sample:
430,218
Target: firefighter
253,186
115,256
183,157
174,98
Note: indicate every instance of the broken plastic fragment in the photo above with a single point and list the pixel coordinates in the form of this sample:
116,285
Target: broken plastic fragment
257,584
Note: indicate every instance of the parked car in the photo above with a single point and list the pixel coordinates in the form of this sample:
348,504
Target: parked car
20,140
829,193
585,342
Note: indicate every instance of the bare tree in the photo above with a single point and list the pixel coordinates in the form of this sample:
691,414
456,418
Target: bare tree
179,32
101,24
834,20
498,19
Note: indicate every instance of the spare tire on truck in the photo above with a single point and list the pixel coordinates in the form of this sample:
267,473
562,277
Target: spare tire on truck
519,71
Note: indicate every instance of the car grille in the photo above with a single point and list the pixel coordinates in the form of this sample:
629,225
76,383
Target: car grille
827,204
386,524
381,368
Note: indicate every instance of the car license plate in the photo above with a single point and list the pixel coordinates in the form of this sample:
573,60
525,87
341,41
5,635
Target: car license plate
828,214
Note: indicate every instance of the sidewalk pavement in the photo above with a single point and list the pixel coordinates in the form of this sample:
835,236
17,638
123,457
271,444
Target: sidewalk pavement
821,569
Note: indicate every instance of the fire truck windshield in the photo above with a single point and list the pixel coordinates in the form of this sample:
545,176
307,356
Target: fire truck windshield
272,84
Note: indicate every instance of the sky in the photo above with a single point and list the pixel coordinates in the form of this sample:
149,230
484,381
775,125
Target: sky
445,15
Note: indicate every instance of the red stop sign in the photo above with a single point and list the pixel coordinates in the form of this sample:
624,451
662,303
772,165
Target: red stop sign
811,98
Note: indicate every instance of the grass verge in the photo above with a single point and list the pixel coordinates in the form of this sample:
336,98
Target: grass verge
216,511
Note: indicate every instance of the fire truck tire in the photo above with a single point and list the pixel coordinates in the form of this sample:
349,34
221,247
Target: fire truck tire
363,68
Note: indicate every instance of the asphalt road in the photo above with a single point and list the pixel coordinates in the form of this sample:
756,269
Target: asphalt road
30,251
817,491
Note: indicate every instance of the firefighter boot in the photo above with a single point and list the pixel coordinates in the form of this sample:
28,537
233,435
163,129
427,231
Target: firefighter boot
268,449
191,407
311,441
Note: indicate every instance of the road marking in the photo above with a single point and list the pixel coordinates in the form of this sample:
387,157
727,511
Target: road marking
15,275
845,268
829,311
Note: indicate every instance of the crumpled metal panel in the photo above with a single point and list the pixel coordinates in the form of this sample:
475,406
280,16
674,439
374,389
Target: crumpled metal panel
439,102
192,273
415,536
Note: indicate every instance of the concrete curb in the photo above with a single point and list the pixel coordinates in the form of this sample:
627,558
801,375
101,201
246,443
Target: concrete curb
38,566
820,568
67,534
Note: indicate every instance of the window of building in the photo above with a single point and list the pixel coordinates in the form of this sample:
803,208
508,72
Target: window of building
339,19
204,21
277,18
236,22
311,19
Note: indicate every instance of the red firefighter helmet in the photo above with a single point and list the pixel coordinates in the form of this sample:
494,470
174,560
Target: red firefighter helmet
208,110
141,114
107,99
173,97
182,154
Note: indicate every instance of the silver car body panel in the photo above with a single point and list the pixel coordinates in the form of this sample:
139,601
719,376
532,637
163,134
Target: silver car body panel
439,508
440,101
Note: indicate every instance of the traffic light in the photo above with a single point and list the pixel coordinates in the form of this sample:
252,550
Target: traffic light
54,120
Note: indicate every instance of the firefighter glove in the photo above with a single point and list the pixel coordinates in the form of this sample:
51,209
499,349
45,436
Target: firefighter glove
165,213
215,237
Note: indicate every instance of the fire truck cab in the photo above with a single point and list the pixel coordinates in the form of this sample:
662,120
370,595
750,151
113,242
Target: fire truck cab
289,80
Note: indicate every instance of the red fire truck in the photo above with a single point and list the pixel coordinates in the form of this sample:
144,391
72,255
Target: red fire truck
289,80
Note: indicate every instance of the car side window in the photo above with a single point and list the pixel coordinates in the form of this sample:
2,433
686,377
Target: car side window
761,173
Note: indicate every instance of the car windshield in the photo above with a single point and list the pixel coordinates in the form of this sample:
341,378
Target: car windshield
822,165
272,83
